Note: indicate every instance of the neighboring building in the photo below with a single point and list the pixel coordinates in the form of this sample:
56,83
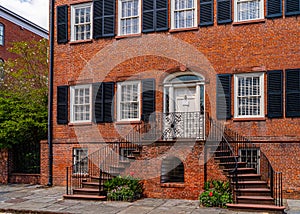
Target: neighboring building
153,73
14,28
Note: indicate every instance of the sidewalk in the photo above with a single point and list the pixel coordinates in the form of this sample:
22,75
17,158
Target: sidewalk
18,198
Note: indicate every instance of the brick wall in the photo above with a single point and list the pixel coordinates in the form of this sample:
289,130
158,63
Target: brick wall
270,44
3,166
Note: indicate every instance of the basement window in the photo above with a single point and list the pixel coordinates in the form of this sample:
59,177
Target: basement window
172,170
80,161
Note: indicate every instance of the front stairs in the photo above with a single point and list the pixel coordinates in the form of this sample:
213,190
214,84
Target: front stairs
249,189
92,187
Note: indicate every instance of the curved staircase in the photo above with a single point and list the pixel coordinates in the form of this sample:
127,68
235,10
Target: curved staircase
252,191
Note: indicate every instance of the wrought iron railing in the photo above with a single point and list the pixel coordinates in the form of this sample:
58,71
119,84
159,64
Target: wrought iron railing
238,143
168,126
100,167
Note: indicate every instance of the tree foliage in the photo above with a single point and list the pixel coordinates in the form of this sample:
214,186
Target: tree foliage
23,95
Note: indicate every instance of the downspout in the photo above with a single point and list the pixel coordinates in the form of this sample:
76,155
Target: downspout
50,104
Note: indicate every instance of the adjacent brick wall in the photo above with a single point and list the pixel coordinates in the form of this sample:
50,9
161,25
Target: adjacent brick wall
3,166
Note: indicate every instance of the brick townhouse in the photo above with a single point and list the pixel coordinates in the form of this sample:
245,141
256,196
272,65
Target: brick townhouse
14,28
177,92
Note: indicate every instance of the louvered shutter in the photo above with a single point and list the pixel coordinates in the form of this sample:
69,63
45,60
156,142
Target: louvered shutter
148,98
62,24
98,102
148,16
274,8
103,18
206,12
161,15
292,7
62,104
275,107
224,11
293,93
155,15
108,104
224,96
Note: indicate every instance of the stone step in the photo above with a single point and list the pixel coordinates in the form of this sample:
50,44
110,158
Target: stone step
247,177
243,170
224,159
85,197
255,200
92,185
251,184
254,192
228,165
256,207
86,191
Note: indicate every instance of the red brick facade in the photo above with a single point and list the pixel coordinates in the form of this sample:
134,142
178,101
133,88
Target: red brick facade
235,48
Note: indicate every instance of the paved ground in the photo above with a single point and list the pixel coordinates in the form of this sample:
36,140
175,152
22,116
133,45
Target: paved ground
36,199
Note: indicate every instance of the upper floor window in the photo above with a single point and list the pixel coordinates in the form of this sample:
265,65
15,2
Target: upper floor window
249,96
1,34
129,19
81,22
81,103
184,14
248,10
129,100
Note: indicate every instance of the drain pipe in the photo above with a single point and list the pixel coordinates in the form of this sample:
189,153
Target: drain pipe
50,102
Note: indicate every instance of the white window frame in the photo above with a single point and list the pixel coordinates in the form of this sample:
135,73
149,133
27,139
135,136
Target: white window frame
261,90
79,154
236,11
2,33
72,102
119,93
120,18
173,11
73,9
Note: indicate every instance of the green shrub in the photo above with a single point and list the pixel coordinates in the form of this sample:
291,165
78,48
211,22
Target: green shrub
216,194
123,188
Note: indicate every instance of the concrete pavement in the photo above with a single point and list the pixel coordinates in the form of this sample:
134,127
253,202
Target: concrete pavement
16,198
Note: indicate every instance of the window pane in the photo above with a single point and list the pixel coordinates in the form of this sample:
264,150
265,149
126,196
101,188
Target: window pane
130,17
82,23
129,97
248,10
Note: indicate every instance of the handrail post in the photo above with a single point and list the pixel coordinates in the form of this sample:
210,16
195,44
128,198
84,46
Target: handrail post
67,187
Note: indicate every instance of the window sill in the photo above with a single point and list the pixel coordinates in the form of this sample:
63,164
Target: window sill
249,119
183,29
128,122
172,185
249,22
81,41
128,36
80,124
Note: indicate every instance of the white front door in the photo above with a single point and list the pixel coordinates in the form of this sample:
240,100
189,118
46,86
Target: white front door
185,100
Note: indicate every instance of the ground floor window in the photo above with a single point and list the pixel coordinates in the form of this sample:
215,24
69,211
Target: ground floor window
80,160
251,157
172,170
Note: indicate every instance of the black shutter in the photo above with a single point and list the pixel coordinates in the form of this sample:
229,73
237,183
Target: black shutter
274,8
206,12
98,102
148,98
161,15
292,93
224,11
108,104
155,15
224,96
275,96
62,24
62,104
103,18
292,7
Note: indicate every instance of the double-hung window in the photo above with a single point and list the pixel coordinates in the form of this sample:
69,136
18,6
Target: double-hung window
1,34
81,108
81,22
129,18
128,101
184,14
249,96
80,160
248,10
